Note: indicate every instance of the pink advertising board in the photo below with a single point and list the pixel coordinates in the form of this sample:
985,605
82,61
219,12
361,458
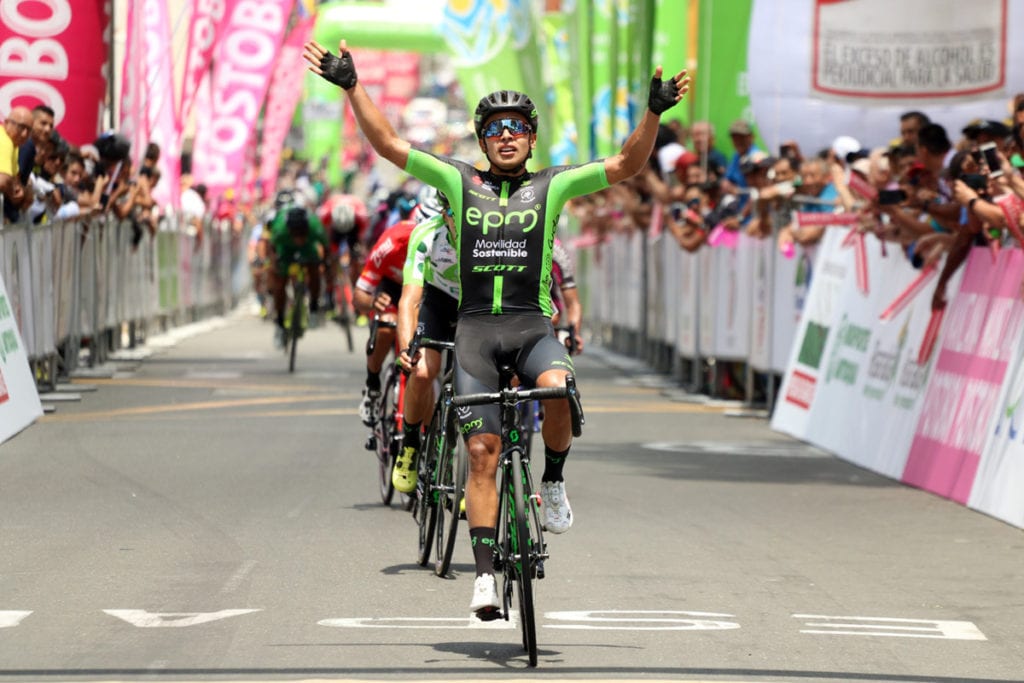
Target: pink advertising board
970,369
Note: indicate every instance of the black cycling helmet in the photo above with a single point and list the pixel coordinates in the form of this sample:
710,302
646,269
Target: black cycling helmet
504,100
297,221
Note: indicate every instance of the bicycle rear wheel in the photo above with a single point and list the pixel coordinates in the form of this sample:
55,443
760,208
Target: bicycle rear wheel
522,561
451,474
424,508
385,432
294,329
345,318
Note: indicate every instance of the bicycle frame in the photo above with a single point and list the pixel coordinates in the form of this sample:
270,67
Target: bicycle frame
520,546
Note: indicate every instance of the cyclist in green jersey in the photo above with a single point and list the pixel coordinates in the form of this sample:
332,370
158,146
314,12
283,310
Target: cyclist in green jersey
296,235
505,221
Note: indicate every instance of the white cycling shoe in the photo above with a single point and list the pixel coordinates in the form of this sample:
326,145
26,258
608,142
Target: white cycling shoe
557,511
486,604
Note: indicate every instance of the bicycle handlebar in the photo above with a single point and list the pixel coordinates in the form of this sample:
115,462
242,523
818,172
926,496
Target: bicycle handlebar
513,397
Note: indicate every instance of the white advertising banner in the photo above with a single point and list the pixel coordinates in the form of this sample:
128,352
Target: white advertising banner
819,68
872,389
19,399
732,305
1000,477
792,277
708,287
762,301
688,297
831,280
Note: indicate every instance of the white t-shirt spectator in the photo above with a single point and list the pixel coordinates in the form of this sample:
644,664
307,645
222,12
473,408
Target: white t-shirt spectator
192,205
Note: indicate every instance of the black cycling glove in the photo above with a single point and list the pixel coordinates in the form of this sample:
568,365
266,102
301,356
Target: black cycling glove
339,70
663,95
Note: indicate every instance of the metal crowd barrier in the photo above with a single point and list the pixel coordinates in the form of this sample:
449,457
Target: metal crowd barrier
82,289
683,312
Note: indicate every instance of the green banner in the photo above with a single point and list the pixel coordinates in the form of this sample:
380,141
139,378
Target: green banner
496,46
603,58
722,95
564,138
671,46
579,15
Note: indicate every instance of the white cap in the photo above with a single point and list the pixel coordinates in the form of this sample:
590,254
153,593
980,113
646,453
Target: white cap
843,145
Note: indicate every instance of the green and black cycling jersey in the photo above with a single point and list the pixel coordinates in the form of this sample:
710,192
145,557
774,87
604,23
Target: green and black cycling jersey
505,228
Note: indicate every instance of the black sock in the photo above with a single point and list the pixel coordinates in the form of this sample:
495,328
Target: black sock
279,318
373,381
411,434
482,538
554,461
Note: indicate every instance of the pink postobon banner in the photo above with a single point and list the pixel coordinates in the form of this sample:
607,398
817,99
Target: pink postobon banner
208,17
244,59
161,120
133,123
969,374
53,53
285,91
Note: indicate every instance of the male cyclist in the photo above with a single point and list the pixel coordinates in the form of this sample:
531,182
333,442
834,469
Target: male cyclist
430,300
377,292
505,221
295,236
430,296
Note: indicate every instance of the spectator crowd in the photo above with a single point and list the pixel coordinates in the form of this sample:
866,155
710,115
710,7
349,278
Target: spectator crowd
932,194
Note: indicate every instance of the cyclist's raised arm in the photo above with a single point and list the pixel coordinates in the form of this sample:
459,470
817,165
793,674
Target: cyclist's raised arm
639,145
340,70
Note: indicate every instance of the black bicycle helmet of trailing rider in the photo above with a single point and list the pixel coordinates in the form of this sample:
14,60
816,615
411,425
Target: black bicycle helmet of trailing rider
504,100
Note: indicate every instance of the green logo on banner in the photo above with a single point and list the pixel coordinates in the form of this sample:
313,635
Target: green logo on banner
813,346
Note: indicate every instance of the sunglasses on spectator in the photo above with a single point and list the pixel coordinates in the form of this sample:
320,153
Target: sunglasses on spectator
517,127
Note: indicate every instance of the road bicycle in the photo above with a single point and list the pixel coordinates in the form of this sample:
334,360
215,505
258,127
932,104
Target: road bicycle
296,319
520,550
442,469
386,434
344,313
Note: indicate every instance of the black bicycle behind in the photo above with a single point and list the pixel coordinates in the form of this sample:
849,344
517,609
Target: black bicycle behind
442,469
520,551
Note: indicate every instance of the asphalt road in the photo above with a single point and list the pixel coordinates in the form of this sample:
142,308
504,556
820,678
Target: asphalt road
205,515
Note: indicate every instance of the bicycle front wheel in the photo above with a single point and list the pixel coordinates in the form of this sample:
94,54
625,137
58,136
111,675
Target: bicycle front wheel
345,319
295,328
385,432
426,492
451,473
522,561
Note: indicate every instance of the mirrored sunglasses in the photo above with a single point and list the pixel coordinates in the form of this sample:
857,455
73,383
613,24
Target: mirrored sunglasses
517,127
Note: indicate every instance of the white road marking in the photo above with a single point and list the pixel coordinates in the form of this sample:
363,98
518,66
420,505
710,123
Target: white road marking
624,621
11,618
892,628
458,623
143,619
763,448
